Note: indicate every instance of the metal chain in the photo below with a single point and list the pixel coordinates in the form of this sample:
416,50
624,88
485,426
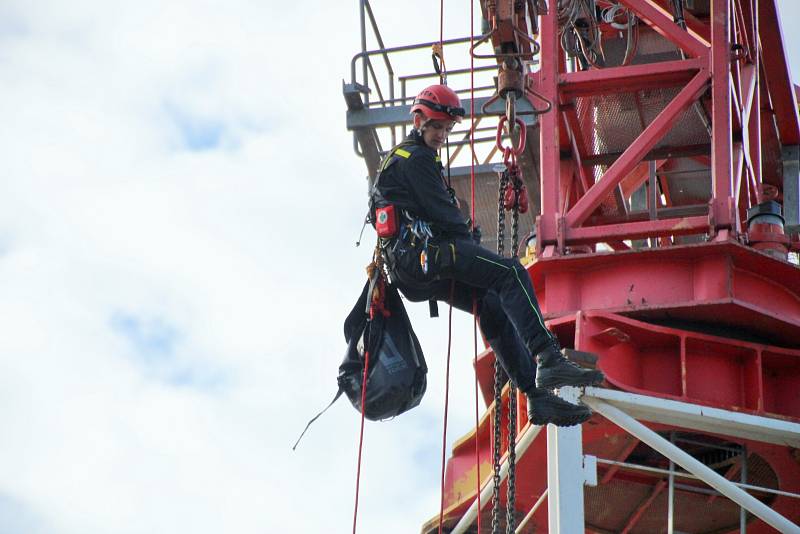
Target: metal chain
512,459
498,370
516,183
508,178
501,212
498,422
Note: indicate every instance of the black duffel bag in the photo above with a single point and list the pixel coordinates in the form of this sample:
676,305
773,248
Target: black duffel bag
396,377
397,373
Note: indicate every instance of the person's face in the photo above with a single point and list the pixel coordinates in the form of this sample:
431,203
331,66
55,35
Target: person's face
435,132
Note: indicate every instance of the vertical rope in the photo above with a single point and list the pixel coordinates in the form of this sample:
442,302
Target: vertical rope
361,436
446,400
443,81
472,223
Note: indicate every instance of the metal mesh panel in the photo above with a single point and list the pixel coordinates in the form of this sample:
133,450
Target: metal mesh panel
611,123
759,473
693,513
688,130
486,185
608,506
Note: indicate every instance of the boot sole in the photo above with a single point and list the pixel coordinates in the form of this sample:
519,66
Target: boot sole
553,381
559,414
559,420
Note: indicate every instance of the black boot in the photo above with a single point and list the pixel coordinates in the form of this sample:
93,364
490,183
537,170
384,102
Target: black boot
545,407
554,371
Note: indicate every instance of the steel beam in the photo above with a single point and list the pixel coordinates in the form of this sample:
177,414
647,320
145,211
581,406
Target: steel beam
702,418
667,152
464,170
721,137
680,474
675,454
374,117
629,78
778,74
637,230
565,477
365,136
549,147
636,151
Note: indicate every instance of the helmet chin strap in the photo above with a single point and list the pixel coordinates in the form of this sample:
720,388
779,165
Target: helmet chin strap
423,121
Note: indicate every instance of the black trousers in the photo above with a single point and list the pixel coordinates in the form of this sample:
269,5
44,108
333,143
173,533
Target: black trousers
509,314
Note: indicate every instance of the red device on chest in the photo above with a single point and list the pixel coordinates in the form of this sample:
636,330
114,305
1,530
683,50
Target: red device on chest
386,221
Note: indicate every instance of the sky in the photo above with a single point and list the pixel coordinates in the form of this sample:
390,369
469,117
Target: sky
179,202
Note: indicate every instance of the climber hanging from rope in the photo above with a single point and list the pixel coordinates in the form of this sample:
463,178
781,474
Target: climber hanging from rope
429,247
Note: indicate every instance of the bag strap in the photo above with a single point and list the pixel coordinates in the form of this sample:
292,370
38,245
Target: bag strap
335,398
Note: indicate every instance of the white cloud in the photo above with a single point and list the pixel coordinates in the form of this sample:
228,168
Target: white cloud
185,167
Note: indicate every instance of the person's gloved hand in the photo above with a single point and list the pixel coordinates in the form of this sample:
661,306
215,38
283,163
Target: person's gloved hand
476,234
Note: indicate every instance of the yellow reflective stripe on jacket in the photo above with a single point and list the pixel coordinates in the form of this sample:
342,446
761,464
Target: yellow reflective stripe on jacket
396,151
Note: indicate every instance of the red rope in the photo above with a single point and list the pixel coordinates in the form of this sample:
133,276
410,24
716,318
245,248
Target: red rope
472,218
442,79
477,420
446,399
361,436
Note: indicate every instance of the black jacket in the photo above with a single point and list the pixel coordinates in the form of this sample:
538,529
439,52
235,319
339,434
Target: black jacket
411,178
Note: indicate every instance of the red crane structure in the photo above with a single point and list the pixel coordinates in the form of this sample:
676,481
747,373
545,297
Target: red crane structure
663,155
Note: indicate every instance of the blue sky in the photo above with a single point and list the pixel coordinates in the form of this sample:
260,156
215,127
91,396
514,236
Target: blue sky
178,206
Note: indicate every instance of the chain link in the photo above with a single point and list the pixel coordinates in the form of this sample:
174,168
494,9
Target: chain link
512,459
498,370
498,423
516,183
510,177
501,212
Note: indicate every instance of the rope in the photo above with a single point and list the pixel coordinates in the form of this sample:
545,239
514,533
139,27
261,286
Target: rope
376,300
472,227
443,80
361,436
446,399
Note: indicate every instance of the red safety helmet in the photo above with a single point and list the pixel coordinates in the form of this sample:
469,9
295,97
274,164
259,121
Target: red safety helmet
439,102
